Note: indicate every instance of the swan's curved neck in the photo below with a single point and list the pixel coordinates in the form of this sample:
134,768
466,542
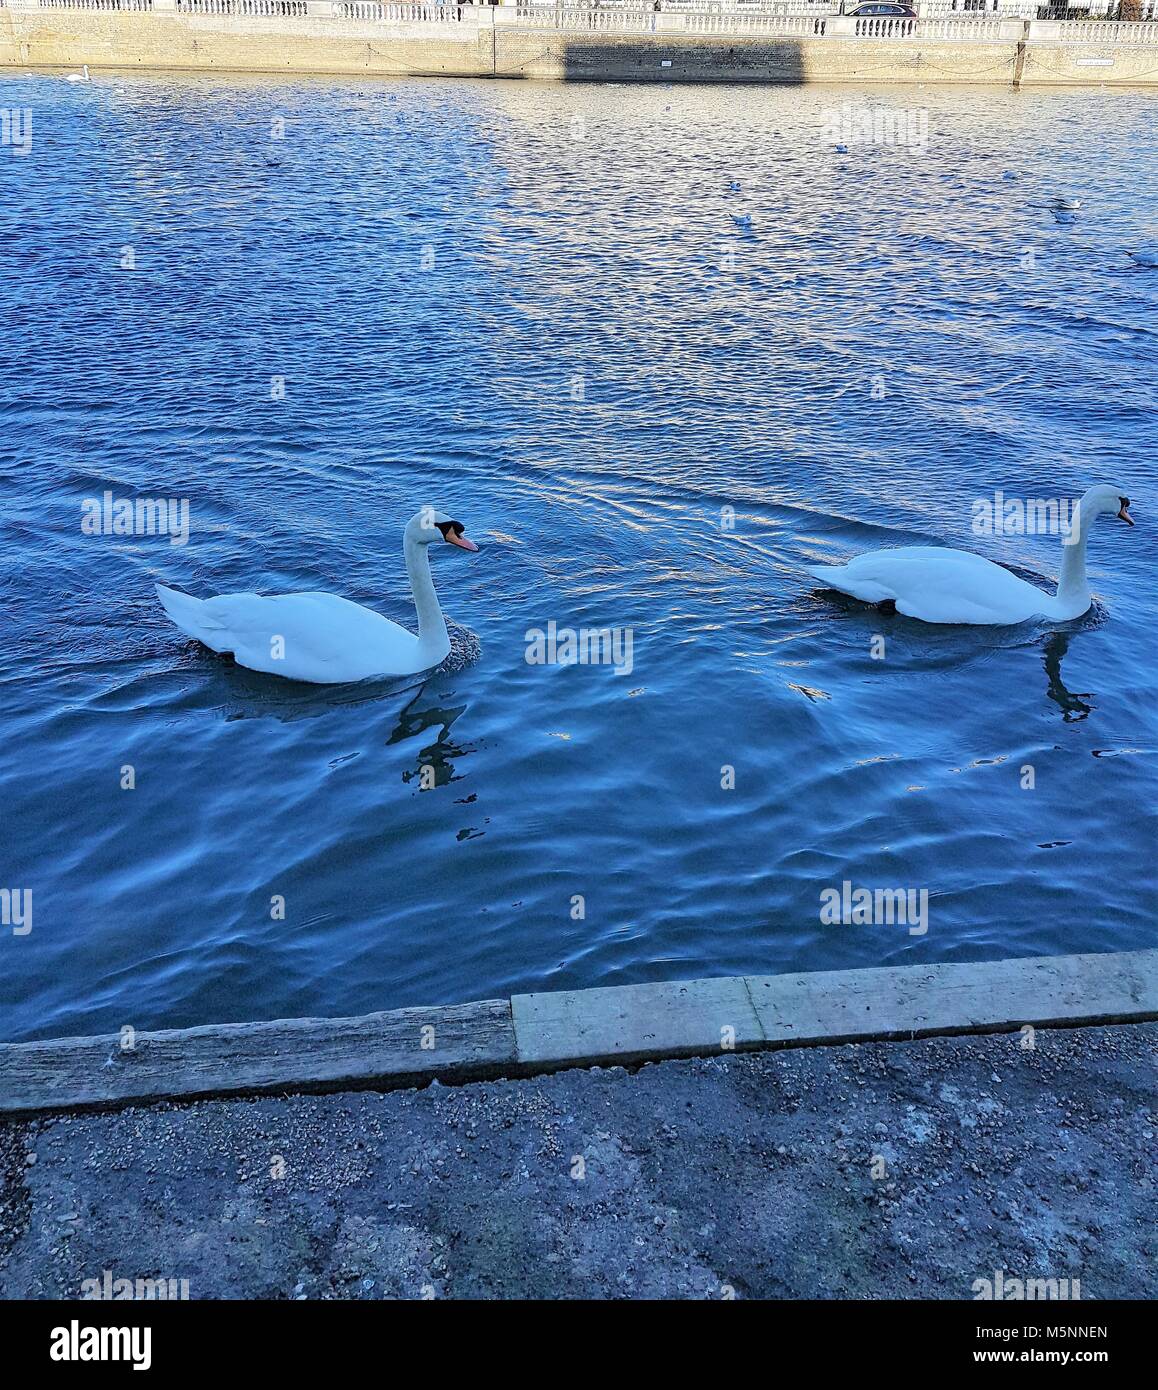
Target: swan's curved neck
431,624
1071,585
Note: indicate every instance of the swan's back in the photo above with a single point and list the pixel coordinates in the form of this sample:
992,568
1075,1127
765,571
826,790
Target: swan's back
314,637
938,585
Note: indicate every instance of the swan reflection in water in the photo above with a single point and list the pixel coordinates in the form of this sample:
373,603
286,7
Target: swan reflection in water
1073,706
272,698
435,761
247,694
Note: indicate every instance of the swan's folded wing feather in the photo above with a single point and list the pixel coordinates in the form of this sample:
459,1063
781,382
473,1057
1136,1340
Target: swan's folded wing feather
285,632
841,577
948,608
312,636
189,614
925,559
964,588
938,585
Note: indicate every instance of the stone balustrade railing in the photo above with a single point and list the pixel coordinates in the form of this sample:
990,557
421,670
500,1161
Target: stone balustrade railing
395,13
280,9
1093,31
788,26
85,5
979,28
580,19
641,20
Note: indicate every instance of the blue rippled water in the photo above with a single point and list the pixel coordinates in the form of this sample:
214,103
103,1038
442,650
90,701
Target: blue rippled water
544,309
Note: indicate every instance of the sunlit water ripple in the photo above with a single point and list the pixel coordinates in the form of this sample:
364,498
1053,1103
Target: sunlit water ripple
597,360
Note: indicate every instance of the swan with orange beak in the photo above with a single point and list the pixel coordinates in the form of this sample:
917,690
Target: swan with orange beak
322,638
939,585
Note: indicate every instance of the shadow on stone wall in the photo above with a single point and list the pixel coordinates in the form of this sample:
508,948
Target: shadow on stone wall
647,58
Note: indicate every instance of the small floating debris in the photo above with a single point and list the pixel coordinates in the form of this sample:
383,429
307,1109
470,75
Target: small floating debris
840,149
734,186
811,692
743,219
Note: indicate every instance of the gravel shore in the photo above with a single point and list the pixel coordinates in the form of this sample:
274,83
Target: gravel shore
883,1170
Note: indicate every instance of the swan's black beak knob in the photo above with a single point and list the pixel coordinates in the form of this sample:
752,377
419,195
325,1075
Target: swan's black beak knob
452,531
1123,513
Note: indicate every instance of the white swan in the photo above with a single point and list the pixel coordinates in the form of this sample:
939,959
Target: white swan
323,638
77,77
954,586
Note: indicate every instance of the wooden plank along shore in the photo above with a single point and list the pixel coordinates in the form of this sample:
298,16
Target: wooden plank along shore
403,1047
543,1032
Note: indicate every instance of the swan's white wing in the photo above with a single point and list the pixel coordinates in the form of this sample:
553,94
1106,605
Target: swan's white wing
313,637
938,585
842,577
308,637
952,608
188,613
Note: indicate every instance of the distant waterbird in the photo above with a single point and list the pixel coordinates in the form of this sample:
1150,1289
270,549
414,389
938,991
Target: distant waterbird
1064,209
78,76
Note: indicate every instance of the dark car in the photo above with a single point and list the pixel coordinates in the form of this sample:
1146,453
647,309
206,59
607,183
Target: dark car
891,11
